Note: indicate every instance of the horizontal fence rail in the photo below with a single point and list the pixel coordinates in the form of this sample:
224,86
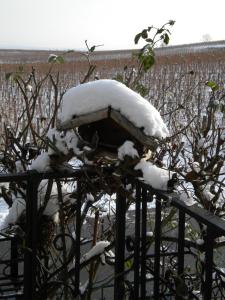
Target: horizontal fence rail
152,259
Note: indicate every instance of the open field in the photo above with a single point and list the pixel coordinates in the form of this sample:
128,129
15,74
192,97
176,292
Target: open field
177,77
8,56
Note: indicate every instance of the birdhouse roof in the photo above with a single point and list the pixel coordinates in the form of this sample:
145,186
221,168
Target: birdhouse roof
97,100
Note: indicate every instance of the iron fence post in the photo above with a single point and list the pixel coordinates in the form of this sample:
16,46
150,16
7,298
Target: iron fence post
137,241
143,243
31,237
181,235
78,232
209,241
157,247
14,258
119,247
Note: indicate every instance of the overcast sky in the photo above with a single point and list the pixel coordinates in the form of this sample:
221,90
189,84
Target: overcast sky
66,24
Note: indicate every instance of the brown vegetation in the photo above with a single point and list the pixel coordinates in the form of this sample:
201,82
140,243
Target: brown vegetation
166,78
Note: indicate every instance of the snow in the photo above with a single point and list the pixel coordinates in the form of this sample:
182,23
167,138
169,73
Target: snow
71,140
19,205
149,234
14,212
19,166
29,88
102,257
196,166
110,255
127,149
156,177
207,194
52,57
90,197
101,94
56,138
2,218
202,257
201,142
223,135
84,287
187,198
4,185
222,276
149,276
98,249
41,163
200,242
61,142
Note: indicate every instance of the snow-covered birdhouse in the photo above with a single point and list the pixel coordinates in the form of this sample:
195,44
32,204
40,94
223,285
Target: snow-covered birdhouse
109,113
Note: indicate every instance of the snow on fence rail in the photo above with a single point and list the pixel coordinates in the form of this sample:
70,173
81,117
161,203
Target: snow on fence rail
144,263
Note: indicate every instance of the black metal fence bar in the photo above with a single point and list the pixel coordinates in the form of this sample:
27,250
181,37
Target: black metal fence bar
143,243
208,264
31,237
18,177
201,215
119,288
14,258
157,236
215,227
137,241
181,235
78,235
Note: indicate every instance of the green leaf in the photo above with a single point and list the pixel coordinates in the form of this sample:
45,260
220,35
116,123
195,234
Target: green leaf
92,49
166,38
214,86
60,59
70,51
171,22
144,34
146,49
137,38
20,68
149,40
56,59
16,76
141,89
160,31
128,264
119,77
52,58
147,61
8,75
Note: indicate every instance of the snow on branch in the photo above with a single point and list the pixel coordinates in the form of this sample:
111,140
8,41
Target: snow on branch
158,178
98,249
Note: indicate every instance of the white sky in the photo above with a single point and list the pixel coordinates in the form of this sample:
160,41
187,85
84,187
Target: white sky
66,24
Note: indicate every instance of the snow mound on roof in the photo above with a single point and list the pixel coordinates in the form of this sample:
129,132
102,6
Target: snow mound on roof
100,94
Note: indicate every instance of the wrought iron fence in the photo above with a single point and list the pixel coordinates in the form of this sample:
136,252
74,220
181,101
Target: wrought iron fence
152,259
